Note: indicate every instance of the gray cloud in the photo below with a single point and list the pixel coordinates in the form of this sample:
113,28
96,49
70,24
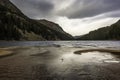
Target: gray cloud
89,8
43,6
78,9
114,14
35,8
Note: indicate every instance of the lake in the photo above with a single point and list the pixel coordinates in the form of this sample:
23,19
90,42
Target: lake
111,44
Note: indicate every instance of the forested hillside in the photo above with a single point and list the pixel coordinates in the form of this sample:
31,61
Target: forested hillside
14,25
106,33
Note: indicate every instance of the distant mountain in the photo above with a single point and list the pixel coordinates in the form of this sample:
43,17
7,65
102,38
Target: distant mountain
14,25
106,33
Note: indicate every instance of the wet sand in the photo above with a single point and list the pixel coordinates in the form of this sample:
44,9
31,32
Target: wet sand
59,63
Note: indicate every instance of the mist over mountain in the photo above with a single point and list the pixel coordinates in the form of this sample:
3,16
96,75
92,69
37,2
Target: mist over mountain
14,25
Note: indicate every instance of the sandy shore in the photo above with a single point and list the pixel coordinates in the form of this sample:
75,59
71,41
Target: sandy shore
58,63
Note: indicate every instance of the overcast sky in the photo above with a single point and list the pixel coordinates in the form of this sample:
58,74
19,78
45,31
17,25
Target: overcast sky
76,17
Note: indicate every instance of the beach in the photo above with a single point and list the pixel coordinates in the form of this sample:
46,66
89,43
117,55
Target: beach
58,63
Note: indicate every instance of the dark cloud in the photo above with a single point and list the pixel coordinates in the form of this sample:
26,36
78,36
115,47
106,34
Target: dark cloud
89,8
43,5
78,9
34,8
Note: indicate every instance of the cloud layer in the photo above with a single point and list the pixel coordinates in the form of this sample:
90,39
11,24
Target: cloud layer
90,8
77,17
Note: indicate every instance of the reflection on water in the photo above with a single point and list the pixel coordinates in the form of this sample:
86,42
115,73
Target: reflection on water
95,57
90,57
112,61
70,64
70,60
60,63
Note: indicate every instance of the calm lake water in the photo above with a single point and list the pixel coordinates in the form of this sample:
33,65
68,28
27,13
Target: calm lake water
109,44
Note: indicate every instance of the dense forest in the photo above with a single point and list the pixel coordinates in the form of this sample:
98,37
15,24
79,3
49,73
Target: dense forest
14,25
106,33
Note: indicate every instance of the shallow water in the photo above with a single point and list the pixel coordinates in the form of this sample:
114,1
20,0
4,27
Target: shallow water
65,65
72,61
89,44
57,61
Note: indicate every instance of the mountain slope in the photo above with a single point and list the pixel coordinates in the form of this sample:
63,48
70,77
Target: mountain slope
14,25
55,27
106,33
